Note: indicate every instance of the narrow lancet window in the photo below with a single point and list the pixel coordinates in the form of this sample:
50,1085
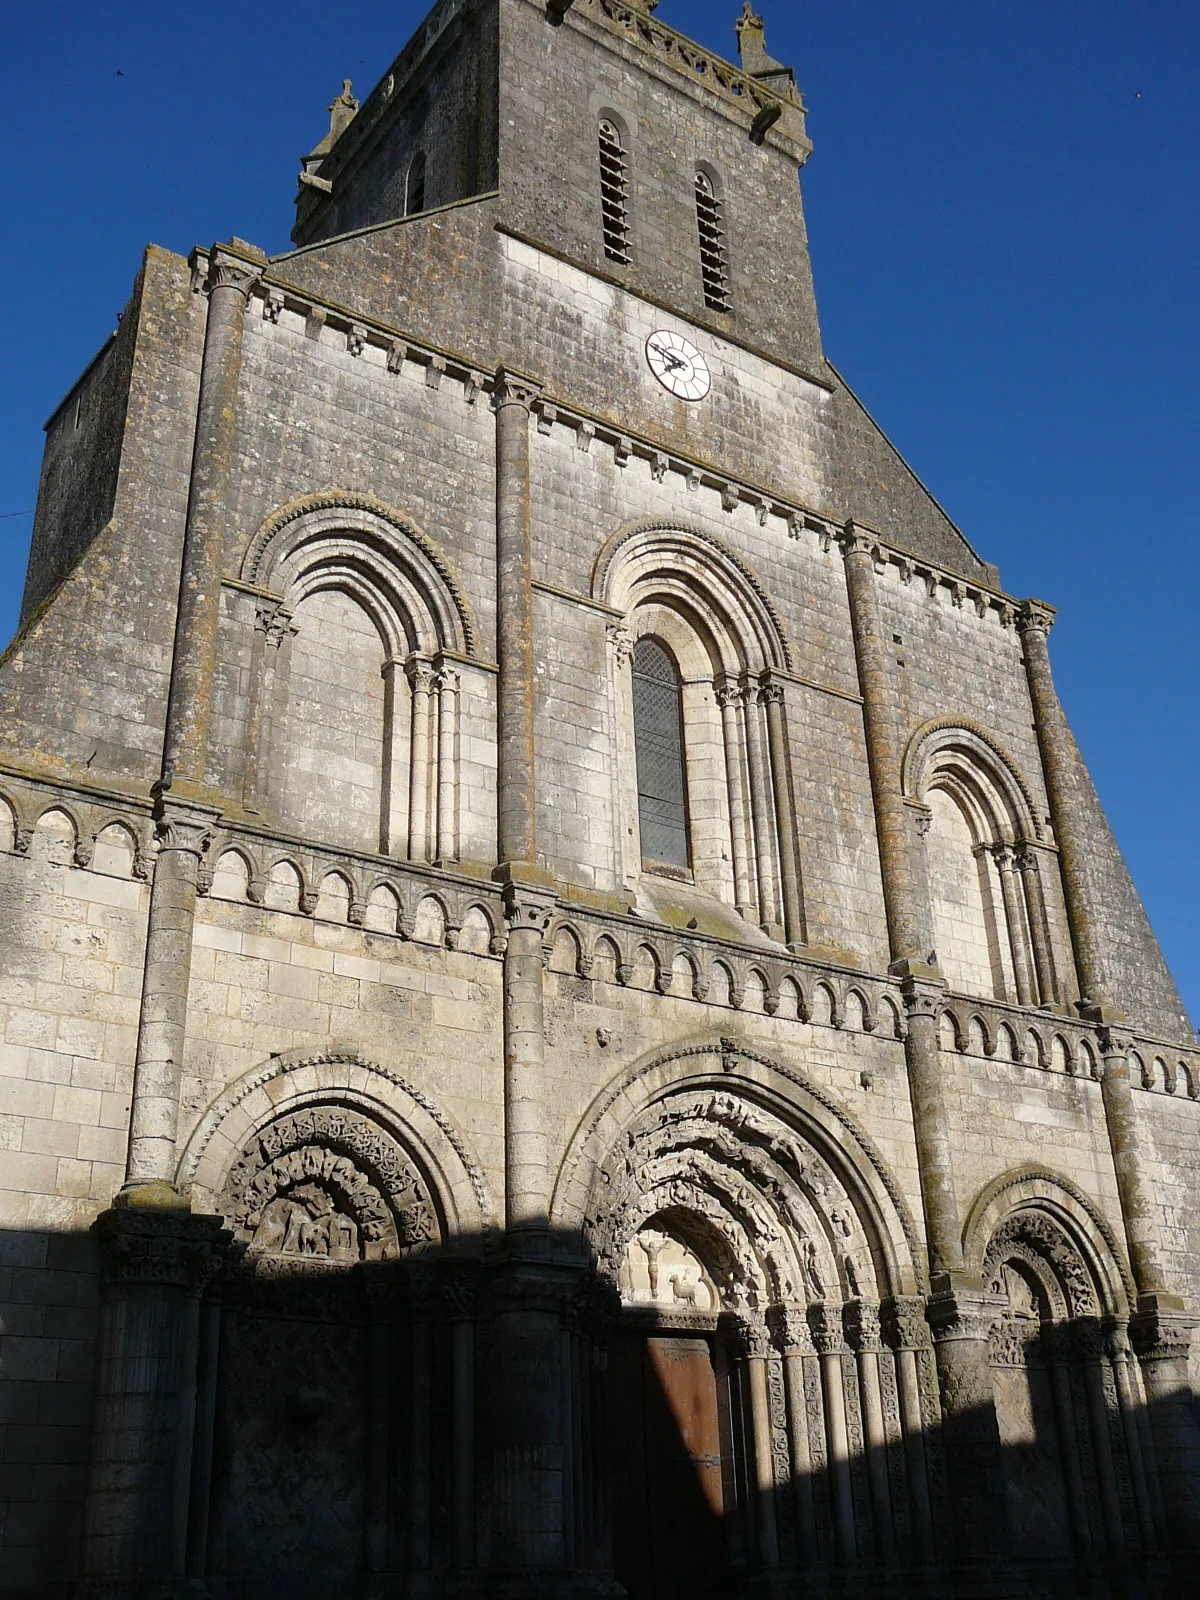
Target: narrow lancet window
714,262
662,780
614,193
414,199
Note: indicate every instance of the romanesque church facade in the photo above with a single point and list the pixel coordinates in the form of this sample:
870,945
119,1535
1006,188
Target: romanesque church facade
573,1024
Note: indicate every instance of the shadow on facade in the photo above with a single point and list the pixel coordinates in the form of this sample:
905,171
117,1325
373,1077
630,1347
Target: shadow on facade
279,1424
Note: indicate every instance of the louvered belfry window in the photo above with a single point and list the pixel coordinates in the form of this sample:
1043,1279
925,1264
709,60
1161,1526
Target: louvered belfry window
662,782
415,198
614,193
714,263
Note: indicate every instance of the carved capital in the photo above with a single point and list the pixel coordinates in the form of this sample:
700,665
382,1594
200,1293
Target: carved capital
771,694
856,541
274,621
461,1293
1087,1336
170,1249
621,641
790,1330
828,1332
1116,1046
514,389
729,693
905,1324
955,1316
1026,858
419,670
186,830
862,1323
527,909
1160,1333
227,271
1034,616
921,999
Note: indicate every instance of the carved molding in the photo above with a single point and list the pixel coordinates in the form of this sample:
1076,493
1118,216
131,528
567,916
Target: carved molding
324,1184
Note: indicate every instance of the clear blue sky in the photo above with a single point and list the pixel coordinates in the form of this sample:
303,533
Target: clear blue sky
1003,211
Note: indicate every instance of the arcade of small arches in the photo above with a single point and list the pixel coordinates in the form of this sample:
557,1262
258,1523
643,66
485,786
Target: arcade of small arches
320,884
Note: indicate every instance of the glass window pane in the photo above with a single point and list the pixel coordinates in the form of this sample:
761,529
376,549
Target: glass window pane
658,729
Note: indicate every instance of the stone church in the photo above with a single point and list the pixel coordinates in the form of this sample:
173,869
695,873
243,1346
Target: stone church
572,1022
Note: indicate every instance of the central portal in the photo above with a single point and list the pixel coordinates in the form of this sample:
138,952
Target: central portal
668,1482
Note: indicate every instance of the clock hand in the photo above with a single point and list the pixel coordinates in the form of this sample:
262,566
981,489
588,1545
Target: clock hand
674,362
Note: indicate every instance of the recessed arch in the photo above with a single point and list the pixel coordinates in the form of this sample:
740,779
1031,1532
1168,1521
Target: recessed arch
338,525
296,1081
752,1092
681,561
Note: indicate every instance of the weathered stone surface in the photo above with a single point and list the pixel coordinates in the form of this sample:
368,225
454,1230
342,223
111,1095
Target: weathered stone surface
815,1125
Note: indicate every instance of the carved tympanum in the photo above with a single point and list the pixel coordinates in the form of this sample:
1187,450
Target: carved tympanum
326,1185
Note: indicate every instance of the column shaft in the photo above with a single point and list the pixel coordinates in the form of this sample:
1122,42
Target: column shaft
1026,994
1138,1204
447,846
1049,991
205,540
155,1265
420,676
514,621
464,1443
762,805
785,814
764,1467
729,697
162,1021
1060,765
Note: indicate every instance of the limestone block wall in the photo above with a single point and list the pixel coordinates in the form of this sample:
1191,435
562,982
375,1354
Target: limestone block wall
109,630
555,86
267,983
70,980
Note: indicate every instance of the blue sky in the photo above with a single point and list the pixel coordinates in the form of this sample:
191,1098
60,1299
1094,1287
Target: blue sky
1003,207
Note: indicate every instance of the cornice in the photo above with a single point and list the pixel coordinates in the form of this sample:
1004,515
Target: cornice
629,31
766,501
718,331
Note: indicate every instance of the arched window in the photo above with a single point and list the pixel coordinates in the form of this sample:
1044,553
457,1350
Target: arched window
714,263
990,927
414,197
661,775
614,193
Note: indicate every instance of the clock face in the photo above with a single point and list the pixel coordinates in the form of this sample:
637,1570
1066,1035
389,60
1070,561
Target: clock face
678,366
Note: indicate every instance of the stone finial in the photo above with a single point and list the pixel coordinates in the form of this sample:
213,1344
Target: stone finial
341,112
752,42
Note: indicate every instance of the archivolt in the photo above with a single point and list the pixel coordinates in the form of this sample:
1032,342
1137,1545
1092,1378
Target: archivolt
648,562
344,1078
780,1193
338,537
1035,1213
971,761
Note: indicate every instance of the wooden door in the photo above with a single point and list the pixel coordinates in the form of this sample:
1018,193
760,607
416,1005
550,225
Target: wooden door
668,1503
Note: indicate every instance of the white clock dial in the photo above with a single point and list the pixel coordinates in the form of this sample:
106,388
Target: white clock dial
678,366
